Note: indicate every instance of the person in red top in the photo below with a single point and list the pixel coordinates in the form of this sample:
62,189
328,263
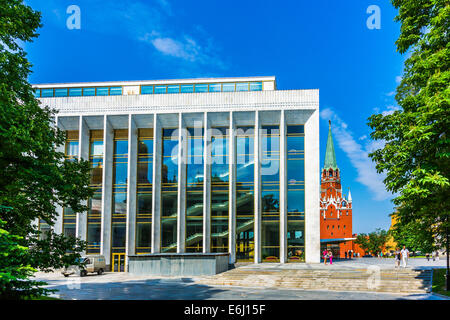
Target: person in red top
325,256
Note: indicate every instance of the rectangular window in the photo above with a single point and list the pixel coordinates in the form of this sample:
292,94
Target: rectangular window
119,201
242,86
187,88
37,93
115,91
296,193
255,86
89,92
245,245
169,190
270,193
95,202
61,92
160,89
219,189
102,91
228,87
75,92
194,191
146,89
201,88
173,89
47,93
215,87
71,153
144,191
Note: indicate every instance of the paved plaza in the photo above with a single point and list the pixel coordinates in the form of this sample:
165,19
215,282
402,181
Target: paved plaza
124,286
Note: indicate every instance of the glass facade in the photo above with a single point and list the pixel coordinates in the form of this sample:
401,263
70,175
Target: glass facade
191,192
71,153
219,189
194,191
119,196
144,191
95,202
169,190
295,193
270,194
245,187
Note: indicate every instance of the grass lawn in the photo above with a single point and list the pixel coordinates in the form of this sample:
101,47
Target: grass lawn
439,282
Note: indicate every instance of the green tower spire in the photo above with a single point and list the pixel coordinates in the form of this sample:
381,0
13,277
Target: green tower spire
330,156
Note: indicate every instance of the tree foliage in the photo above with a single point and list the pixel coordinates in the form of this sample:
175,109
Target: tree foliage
36,178
416,154
415,236
373,242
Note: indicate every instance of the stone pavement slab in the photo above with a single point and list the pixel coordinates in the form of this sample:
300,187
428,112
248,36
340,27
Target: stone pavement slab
123,286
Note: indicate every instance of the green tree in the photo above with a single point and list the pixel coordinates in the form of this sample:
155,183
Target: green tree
416,154
372,242
15,268
35,177
415,236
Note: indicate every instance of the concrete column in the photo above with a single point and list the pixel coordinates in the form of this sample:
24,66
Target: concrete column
283,189
232,191
181,203
207,185
131,188
257,166
83,154
312,187
58,226
156,183
108,151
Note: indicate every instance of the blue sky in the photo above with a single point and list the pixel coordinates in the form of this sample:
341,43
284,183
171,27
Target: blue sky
305,44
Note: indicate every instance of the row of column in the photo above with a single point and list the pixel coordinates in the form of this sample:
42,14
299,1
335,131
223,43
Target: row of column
107,185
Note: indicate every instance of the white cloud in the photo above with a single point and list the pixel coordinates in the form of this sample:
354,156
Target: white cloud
390,110
398,79
358,155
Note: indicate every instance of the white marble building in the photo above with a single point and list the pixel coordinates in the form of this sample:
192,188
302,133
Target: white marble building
149,201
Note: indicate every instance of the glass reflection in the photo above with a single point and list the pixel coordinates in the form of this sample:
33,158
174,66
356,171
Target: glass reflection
169,190
71,154
295,193
144,191
194,191
219,189
245,246
270,194
95,202
119,202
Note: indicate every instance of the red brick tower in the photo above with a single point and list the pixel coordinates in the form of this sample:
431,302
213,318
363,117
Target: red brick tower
335,208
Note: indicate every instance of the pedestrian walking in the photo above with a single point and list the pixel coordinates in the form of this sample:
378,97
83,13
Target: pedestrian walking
405,256
330,255
397,258
346,254
427,255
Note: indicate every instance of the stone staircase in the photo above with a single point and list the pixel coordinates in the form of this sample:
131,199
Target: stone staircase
336,279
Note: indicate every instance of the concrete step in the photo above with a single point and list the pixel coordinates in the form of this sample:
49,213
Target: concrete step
404,281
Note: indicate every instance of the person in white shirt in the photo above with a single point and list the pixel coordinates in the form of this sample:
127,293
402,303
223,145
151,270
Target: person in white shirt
405,256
